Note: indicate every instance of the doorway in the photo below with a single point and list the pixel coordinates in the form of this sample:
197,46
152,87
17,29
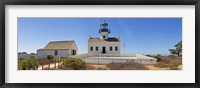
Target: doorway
103,49
73,52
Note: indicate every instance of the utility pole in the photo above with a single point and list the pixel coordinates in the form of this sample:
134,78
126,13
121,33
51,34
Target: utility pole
124,48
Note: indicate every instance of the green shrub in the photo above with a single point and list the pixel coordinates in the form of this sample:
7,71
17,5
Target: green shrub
50,57
74,63
28,64
173,67
149,55
32,57
33,64
158,57
24,65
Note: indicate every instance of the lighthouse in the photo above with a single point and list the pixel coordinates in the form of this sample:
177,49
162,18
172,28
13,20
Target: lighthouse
104,44
104,31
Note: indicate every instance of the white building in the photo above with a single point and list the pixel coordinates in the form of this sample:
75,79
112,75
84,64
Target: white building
58,49
104,44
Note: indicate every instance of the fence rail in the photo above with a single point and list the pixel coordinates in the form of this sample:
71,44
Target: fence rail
107,61
102,55
121,58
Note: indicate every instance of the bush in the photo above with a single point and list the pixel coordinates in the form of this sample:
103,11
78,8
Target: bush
24,65
126,66
43,61
158,57
173,67
171,56
74,63
176,61
28,64
50,57
149,55
161,65
33,57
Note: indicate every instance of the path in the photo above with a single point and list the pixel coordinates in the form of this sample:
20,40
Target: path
47,66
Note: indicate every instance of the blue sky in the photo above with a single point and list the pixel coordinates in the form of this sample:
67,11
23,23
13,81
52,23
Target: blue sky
140,35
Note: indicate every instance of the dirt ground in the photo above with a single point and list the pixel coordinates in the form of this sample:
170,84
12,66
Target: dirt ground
151,67
97,67
104,67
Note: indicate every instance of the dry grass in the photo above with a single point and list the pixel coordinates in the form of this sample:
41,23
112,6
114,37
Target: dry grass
96,67
161,65
127,66
152,67
171,63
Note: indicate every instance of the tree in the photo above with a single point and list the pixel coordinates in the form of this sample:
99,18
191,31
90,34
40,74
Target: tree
24,52
32,53
178,49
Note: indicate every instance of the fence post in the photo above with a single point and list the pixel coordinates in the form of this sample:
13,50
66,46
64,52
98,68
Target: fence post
58,61
42,66
55,64
49,65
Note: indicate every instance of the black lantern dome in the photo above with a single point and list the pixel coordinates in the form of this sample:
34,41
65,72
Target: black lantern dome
104,27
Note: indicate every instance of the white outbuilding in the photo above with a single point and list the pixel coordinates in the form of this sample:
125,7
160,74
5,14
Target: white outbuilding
58,49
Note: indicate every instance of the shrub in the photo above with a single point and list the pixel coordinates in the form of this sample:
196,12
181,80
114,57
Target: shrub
173,67
33,64
50,57
161,65
74,63
158,57
149,55
28,64
171,57
176,61
43,61
24,65
32,57
126,66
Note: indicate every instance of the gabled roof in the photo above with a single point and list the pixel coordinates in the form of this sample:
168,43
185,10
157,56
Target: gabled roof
110,39
58,45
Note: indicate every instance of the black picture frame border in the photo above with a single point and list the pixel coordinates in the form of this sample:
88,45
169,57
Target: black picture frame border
3,3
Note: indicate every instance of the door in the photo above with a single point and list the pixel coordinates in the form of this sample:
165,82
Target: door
73,52
103,49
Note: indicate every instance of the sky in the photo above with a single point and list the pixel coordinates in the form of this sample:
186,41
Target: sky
139,35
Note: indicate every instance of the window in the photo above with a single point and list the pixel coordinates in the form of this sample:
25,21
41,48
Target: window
97,48
55,52
104,36
91,48
110,48
116,48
